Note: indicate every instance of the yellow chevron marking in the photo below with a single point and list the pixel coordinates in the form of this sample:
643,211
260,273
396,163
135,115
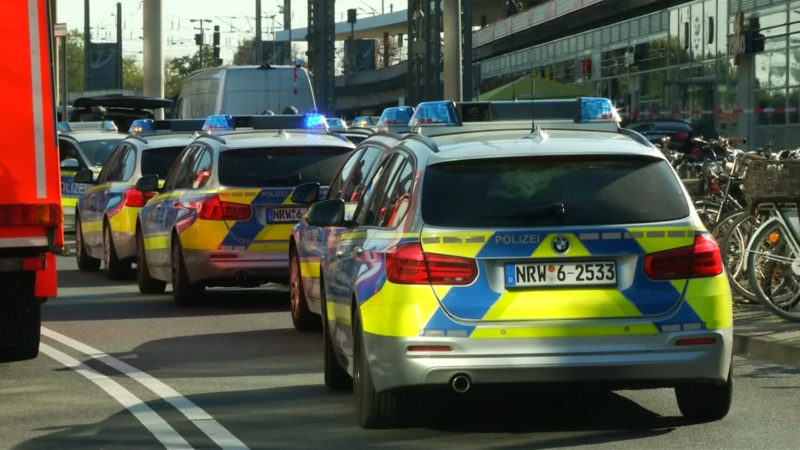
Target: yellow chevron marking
710,298
204,235
576,248
564,331
275,232
464,244
93,226
338,312
399,310
561,304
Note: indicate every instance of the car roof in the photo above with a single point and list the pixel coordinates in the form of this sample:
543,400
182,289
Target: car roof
275,138
515,143
91,135
161,139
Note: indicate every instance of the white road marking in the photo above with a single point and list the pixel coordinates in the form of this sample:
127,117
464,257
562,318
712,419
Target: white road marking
216,432
150,419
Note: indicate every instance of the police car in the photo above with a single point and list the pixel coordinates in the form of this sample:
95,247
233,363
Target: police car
224,216
82,145
557,249
308,243
105,218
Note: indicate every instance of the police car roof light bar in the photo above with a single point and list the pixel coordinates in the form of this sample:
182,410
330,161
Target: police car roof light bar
101,125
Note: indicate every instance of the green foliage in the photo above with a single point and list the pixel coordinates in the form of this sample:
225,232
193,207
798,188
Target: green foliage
177,69
132,74
74,61
244,53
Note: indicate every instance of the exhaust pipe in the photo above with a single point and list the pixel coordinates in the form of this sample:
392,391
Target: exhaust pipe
241,276
460,383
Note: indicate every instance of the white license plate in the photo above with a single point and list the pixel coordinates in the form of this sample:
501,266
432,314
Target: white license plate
276,215
595,273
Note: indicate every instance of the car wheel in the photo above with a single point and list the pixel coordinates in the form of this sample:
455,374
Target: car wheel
373,409
183,292
705,402
115,269
336,377
20,318
85,262
147,284
302,318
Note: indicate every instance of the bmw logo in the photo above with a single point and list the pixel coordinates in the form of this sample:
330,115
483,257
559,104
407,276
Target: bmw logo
560,244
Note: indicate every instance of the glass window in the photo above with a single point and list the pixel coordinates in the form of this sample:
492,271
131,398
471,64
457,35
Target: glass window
113,166
179,171
159,160
555,191
128,164
335,188
280,166
67,150
201,170
368,210
98,151
365,171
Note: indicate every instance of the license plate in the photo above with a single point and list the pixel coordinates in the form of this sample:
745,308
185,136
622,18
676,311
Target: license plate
275,215
595,273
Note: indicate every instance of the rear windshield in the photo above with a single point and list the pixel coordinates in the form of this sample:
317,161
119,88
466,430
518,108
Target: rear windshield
277,167
98,151
514,192
157,161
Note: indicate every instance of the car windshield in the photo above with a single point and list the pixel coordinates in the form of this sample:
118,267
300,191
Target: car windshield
551,192
280,166
157,161
97,151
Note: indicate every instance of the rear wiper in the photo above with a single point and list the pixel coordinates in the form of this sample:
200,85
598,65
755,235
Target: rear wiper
547,210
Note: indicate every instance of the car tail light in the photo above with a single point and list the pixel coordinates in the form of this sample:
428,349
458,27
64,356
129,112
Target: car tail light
408,264
700,260
47,214
212,208
136,198
681,135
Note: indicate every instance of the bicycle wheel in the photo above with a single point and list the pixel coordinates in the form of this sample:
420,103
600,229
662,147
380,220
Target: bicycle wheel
725,223
733,248
774,271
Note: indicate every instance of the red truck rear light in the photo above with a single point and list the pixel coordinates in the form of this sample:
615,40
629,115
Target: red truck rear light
700,260
45,214
408,264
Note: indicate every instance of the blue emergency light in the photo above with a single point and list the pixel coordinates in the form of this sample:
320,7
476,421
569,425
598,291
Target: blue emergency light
104,125
435,113
140,126
273,122
218,122
395,115
314,121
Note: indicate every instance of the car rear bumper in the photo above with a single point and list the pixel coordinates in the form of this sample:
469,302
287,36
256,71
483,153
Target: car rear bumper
621,361
225,268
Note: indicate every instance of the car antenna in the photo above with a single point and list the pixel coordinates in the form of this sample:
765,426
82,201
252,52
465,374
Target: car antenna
536,132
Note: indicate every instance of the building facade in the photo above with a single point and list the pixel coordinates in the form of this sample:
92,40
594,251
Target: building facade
733,62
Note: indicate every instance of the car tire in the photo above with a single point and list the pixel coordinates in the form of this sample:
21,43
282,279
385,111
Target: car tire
336,377
147,284
20,318
184,292
302,318
85,262
115,269
705,402
373,409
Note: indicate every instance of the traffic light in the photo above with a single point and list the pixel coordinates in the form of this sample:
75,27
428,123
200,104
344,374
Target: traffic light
198,39
215,47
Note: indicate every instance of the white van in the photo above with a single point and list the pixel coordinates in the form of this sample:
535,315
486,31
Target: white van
245,90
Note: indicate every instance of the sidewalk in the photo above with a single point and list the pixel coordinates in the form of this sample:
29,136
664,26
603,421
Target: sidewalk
758,332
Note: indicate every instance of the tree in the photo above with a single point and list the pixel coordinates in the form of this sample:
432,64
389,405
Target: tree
177,69
244,53
74,61
132,74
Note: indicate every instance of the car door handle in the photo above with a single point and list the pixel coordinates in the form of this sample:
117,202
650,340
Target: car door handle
159,205
358,251
341,253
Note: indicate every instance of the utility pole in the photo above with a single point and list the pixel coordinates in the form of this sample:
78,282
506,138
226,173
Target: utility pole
199,38
351,18
257,54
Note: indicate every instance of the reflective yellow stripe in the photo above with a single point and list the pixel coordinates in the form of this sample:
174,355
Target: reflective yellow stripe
156,242
710,298
562,304
399,310
556,332
275,232
659,239
464,244
339,313
69,202
309,269
93,226
238,196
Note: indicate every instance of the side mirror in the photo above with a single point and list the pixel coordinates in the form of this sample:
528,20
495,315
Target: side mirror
326,213
70,164
147,183
306,193
83,176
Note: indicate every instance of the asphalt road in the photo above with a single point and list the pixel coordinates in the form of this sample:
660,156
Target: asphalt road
122,370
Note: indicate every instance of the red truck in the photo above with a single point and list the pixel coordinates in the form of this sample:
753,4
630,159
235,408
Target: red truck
31,228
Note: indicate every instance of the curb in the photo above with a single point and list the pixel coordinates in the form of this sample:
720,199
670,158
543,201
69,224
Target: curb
757,332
